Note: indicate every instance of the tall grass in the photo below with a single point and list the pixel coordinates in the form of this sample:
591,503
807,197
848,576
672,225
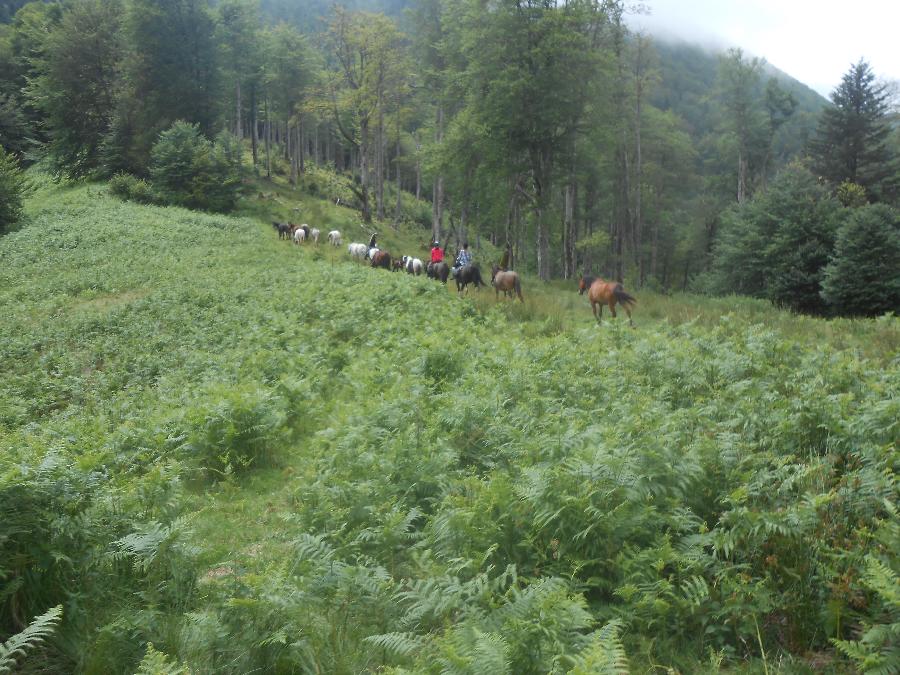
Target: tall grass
226,453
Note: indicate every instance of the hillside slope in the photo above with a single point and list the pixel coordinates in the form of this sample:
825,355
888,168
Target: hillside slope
261,457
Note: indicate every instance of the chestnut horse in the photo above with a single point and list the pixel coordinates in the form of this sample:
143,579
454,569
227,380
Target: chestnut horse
504,280
381,259
606,292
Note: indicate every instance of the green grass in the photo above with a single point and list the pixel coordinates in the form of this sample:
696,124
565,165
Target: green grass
263,457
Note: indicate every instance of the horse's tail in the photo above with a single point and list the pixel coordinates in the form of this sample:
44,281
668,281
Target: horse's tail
622,297
519,288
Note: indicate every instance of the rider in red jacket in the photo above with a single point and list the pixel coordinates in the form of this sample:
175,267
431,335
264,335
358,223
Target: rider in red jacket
437,254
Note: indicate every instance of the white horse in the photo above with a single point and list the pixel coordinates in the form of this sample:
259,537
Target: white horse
314,235
334,238
357,251
299,235
414,266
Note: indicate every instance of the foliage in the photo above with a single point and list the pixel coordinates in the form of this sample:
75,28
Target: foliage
126,186
852,138
14,186
862,277
76,82
169,73
776,245
238,428
189,170
34,634
526,493
877,651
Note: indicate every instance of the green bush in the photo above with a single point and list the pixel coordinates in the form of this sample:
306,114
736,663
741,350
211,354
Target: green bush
189,170
234,428
130,188
863,277
777,244
13,187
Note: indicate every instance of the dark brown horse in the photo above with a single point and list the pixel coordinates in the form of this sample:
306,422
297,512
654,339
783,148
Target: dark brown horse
284,230
504,280
382,259
468,274
439,271
602,292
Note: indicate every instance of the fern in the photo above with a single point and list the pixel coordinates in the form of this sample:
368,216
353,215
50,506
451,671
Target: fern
33,635
605,655
156,662
878,650
402,644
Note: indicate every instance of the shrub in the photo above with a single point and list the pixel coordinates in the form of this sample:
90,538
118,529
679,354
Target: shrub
128,187
777,244
862,277
235,428
189,170
13,188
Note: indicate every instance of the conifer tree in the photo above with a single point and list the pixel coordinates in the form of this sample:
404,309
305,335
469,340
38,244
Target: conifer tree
862,277
852,138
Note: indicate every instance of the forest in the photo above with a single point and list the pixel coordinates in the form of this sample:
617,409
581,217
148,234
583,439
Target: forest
222,452
549,129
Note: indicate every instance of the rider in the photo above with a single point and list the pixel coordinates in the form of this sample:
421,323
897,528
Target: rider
463,258
437,255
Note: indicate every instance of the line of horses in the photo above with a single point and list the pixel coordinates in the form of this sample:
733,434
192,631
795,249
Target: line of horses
599,291
507,281
302,233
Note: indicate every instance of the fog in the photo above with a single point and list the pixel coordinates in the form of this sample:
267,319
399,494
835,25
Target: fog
814,41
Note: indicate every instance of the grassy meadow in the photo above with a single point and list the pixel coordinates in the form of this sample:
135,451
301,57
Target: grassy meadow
223,453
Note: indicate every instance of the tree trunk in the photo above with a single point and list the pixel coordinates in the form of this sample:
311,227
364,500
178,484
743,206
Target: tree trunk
291,150
364,168
399,208
267,133
437,203
569,230
418,168
254,139
238,122
379,157
301,145
316,157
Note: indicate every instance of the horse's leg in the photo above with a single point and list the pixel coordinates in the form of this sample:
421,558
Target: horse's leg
594,306
628,312
612,306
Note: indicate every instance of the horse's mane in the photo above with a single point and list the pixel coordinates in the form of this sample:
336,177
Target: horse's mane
588,280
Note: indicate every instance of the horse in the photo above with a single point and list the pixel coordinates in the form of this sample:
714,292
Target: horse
468,274
439,271
381,259
334,238
284,230
299,235
314,235
413,265
503,280
608,292
398,264
357,251
371,251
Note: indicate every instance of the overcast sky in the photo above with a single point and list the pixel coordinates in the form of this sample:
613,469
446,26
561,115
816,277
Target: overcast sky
814,41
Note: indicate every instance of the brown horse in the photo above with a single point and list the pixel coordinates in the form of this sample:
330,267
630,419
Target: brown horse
503,280
382,259
602,292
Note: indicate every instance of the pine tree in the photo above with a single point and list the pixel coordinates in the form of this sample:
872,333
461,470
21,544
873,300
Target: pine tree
863,277
852,138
